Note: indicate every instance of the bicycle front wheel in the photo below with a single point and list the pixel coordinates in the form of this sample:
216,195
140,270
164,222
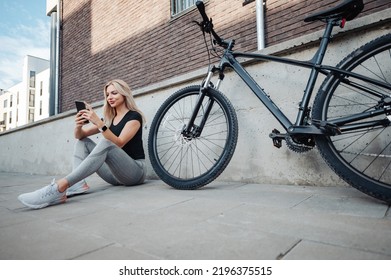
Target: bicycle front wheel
361,154
190,162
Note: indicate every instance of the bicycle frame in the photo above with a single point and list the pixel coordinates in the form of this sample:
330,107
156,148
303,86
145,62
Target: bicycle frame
229,59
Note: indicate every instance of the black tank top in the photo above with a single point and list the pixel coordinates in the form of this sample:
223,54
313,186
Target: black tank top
134,148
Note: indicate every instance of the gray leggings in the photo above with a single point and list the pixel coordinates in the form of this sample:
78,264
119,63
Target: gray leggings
109,161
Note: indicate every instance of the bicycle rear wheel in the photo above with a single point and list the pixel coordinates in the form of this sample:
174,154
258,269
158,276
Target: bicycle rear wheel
361,154
185,162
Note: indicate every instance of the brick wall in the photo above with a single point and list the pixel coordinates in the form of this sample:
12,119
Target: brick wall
284,18
139,42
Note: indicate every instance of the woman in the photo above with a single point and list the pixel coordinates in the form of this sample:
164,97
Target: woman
118,158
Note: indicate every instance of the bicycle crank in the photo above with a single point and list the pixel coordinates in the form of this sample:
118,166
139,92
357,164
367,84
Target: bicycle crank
294,143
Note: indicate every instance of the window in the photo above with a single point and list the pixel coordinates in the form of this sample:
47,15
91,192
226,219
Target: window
5,103
40,88
40,108
178,6
10,100
32,79
10,120
4,119
31,98
31,115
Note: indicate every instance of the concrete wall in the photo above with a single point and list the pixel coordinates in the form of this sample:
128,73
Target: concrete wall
45,147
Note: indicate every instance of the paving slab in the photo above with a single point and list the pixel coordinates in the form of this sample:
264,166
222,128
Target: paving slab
222,221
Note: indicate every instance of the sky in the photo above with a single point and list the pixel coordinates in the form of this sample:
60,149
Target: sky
24,30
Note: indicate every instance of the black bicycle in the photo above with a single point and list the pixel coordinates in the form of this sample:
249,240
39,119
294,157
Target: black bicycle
194,133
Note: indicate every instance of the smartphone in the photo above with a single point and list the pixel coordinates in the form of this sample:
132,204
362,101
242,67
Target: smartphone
80,105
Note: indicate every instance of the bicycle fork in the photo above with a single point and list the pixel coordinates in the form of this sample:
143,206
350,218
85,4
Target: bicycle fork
192,130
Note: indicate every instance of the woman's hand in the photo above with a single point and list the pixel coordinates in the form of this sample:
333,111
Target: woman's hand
80,120
89,114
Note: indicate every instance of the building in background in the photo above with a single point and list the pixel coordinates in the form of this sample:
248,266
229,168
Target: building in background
27,101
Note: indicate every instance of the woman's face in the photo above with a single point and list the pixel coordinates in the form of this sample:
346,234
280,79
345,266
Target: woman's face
113,97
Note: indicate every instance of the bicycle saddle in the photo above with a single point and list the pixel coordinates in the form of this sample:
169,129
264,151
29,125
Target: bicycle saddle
347,10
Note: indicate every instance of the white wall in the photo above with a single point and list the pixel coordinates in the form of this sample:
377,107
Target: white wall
42,98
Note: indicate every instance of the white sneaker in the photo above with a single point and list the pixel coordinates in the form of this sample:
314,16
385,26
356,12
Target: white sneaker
78,188
43,197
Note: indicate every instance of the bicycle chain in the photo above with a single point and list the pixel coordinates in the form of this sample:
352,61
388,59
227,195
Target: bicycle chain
296,147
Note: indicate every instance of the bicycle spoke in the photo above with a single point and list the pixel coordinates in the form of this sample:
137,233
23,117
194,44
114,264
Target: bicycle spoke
186,154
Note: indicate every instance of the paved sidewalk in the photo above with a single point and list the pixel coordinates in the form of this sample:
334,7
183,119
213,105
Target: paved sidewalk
220,221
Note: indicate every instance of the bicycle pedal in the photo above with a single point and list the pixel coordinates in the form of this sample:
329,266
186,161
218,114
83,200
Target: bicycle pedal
277,138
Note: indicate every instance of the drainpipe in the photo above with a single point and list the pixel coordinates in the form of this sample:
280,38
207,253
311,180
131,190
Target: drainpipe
57,91
53,79
260,24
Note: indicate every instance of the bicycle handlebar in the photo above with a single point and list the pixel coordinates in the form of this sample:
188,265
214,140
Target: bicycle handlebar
201,8
207,25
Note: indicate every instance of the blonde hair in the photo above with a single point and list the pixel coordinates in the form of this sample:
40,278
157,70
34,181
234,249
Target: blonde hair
122,88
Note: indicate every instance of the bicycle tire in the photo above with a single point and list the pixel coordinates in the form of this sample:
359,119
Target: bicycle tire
360,157
185,163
